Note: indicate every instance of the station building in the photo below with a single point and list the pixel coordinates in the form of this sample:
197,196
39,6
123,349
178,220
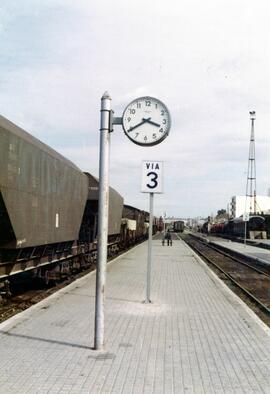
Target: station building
240,204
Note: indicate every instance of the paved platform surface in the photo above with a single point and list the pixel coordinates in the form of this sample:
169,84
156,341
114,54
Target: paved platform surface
196,336
255,252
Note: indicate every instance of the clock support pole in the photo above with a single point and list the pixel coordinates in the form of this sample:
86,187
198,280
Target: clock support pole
103,209
106,127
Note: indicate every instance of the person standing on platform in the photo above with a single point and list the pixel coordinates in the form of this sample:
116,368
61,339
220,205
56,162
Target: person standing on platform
167,237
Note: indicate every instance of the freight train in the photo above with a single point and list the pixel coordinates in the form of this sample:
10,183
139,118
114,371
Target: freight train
256,227
49,210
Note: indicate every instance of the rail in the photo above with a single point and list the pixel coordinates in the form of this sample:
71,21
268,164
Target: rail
254,282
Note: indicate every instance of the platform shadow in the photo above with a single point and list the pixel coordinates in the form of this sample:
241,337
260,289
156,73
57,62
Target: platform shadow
52,341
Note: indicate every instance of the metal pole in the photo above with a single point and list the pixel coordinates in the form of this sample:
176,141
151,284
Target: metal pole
103,205
164,228
149,260
245,238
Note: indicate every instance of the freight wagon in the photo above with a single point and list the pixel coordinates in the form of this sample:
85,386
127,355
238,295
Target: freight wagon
134,225
42,200
254,228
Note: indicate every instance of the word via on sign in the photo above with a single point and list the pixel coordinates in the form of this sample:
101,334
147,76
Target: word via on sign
153,166
152,177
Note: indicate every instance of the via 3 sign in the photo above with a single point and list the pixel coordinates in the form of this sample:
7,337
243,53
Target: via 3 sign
152,177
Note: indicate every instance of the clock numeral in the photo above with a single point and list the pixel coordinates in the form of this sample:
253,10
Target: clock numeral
164,121
156,106
154,136
129,119
162,112
132,111
161,130
145,138
148,103
138,105
136,135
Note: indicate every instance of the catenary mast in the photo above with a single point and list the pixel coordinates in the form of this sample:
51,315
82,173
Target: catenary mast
251,173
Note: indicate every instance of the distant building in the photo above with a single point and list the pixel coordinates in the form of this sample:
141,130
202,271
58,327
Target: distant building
240,203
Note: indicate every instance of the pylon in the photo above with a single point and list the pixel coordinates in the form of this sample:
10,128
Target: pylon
251,173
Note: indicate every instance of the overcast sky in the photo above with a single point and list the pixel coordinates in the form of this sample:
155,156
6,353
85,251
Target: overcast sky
208,61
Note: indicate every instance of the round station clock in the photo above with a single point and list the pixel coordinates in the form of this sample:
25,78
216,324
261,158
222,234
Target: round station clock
146,121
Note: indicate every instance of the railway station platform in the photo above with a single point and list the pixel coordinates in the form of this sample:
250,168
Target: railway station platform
195,337
250,250
255,252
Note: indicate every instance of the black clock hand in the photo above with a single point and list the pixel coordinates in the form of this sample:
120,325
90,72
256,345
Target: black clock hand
137,125
150,121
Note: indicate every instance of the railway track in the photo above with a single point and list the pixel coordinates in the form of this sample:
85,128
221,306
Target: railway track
31,292
251,280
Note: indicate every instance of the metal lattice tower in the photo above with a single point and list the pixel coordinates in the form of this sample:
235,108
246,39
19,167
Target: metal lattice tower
251,173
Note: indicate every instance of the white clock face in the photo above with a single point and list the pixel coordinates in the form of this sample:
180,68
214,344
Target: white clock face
146,121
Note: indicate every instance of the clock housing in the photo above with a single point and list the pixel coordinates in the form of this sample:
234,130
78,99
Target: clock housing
146,121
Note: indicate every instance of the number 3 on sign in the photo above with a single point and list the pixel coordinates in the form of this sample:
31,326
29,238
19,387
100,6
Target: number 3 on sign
152,177
154,183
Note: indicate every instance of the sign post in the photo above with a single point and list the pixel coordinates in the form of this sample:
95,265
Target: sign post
164,227
245,219
149,255
152,182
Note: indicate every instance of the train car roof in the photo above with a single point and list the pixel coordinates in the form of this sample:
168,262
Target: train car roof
131,207
94,186
135,209
24,135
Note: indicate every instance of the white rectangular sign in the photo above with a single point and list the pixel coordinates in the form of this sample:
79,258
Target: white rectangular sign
246,217
152,177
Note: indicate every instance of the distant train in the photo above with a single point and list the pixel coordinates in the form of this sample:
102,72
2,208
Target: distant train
178,226
49,210
256,227
204,227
